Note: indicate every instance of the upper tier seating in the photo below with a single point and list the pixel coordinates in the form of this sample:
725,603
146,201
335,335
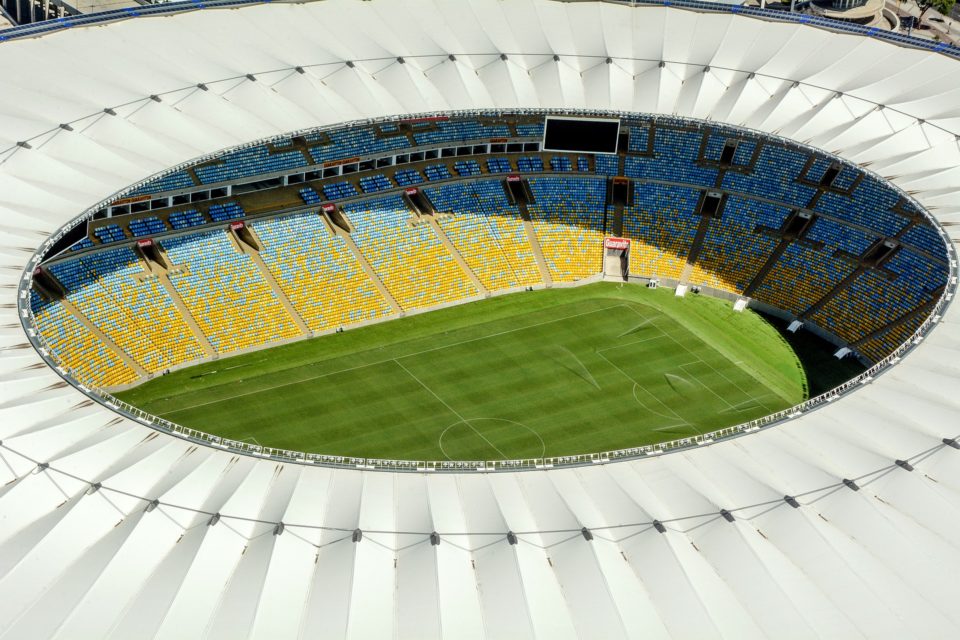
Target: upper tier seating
247,162
355,142
488,232
110,289
924,237
458,131
410,260
568,216
869,206
675,156
317,272
72,344
774,176
170,182
532,130
225,292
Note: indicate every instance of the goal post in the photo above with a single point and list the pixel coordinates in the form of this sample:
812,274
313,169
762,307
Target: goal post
616,257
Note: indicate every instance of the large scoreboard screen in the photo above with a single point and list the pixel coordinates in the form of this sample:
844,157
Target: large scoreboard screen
581,135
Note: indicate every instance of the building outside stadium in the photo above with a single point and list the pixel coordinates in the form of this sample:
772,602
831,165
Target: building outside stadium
830,519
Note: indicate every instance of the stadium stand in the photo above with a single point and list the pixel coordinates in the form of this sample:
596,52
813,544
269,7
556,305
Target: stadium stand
774,176
466,168
309,196
147,226
407,177
872,300
169,182
499,165
437,172
869,206
733,252
801,277
247,162
530,164
109,233
488,232
186,219
923,237
226,211
225,292
83,243
110,289
317,272
459,131
76,348
607,165
338,190
374,183
410,260
568,217
661,223
355,142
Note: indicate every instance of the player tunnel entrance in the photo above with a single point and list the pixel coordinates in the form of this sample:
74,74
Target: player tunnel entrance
616,258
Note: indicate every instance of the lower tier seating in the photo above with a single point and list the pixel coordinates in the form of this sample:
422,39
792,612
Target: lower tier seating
873,301
568,217
87,357
801,277
112,290
661,223
733,252
410,260
225,292
488,232
318,272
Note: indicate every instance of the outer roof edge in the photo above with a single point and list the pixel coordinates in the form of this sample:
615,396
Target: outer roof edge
47,27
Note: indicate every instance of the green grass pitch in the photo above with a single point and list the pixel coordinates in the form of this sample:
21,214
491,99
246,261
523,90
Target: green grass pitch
554,372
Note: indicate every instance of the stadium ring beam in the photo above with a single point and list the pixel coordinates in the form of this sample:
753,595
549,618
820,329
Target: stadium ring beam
837,523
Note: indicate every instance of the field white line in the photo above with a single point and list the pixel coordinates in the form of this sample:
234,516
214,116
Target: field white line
741,389
371,364
637,385
452,410
700,382
627,344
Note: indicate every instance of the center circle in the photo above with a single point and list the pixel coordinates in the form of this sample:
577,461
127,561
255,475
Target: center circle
463,439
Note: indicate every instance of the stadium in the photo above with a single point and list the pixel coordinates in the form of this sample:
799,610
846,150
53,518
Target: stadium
477,319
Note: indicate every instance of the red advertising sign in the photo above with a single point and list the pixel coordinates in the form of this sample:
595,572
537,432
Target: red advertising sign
145,243
513,178
335,163
616,243
329,207
427,119
130,200
236,225
412,191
